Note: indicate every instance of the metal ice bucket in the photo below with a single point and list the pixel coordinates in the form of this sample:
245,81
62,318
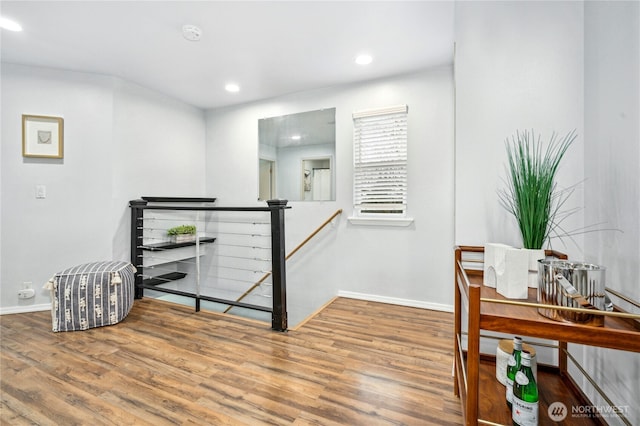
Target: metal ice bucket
571,284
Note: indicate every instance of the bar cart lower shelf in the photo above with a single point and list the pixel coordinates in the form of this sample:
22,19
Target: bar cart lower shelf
481,395
552,389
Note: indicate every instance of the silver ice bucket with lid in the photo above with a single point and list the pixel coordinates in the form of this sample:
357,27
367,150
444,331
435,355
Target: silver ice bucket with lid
571,284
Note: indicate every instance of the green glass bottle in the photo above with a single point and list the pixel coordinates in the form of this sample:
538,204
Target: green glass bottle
525,395
513,365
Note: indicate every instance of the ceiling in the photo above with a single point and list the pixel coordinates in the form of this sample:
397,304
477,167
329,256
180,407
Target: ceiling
268,48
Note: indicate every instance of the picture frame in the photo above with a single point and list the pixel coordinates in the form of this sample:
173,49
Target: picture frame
42,136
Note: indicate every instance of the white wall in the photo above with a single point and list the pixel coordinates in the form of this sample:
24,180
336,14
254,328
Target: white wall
519,65
557,66
612,148
158,151
120,142
612,175
412,263
42,236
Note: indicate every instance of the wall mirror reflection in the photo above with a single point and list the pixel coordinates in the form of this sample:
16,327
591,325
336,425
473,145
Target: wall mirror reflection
297,156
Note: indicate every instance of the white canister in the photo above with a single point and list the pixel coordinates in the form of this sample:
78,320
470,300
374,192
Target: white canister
503,352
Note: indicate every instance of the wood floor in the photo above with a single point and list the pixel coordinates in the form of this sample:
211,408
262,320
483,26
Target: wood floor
355,363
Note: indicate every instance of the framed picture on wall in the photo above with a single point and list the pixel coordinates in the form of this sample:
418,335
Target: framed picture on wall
42,136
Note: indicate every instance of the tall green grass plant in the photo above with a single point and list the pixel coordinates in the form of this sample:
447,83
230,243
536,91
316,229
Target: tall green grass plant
531,194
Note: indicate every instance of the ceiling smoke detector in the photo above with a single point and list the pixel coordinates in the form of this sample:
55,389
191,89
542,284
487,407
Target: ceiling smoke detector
191,32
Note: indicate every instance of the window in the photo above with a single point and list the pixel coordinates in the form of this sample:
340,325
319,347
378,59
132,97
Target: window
380,162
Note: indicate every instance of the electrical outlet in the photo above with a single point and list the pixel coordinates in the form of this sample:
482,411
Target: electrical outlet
26,293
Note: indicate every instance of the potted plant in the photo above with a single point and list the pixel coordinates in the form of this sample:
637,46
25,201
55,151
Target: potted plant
182,233
531,194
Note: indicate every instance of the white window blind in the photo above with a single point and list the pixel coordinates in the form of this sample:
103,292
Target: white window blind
380,161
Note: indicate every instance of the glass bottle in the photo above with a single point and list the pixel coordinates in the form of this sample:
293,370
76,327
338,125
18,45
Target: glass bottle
513,365
525,395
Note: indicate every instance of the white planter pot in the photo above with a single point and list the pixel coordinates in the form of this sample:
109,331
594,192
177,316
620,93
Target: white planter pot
183,238
534,256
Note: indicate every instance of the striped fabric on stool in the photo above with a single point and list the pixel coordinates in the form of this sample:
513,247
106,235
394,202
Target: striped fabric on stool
91,295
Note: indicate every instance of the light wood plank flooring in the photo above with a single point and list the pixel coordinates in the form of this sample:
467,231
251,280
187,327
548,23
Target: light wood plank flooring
354,363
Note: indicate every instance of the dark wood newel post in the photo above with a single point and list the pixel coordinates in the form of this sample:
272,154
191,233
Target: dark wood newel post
278,265
136,241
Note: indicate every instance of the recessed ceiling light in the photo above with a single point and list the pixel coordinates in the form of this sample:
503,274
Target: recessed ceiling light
8,24
232,87
296,137
191,32
364,59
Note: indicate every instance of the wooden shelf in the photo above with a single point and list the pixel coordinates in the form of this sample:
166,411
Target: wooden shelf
169,246
481,395
552,388
617,333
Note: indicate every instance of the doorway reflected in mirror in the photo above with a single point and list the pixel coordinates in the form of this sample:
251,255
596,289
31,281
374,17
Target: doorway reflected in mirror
297,156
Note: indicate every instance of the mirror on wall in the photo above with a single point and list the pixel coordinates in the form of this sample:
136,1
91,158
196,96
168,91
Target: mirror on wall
296,156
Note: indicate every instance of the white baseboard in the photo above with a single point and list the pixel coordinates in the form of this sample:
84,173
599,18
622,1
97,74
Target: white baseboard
25,309
396,301
348,294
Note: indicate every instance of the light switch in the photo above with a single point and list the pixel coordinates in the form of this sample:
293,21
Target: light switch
41,191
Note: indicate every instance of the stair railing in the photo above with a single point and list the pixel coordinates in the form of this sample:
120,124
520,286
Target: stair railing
139,247
287,257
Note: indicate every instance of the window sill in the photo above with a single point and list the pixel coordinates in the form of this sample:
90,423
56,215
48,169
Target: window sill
380,221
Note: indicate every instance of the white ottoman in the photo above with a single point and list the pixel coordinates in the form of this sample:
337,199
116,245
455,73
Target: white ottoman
91,295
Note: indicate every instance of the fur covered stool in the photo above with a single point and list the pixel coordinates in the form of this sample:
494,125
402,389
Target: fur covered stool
91,295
